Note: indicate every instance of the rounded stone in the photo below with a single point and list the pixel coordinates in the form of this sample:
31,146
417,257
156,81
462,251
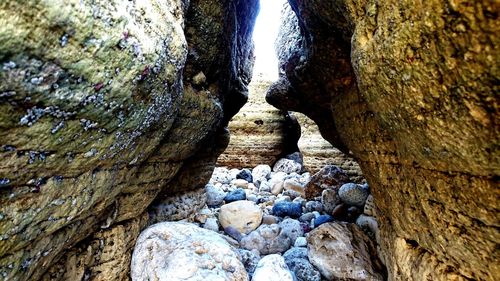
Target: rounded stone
322,219
244,216
290,209
353,194
245,174
235,195
288,166
215,195
271,268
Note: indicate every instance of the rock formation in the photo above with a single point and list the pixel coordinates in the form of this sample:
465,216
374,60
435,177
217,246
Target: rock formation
318,152
105,106
260,133
410,88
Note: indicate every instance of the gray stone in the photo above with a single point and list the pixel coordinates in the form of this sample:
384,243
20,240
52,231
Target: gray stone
288,166
300,242
261,173
211,224
329,200
292,229
314,206
267,239
353,194
215,195
250,259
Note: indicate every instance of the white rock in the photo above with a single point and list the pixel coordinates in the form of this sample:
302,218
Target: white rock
300,242
221,174
272,268
341,251
240,183
293,184
243,215
276,182
173,251
211,224
292,229
267,239
288,166
370,224
261,172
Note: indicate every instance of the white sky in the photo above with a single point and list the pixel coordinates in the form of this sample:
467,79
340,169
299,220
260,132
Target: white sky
264,35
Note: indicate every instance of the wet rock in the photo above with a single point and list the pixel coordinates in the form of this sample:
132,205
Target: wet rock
235,195
272,268
245,174
287,166
283,209
322,219
342,251
353,194
329,177
244,216
215,195
179,251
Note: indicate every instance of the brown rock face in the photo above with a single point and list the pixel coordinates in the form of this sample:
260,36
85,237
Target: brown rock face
318,152
103,107
410,88
260,133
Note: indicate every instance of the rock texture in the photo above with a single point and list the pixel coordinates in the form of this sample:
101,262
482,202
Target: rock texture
172,251
103,107
318,152
341,251
410,89
260,133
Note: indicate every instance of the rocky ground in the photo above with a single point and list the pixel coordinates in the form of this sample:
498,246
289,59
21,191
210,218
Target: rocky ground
268,223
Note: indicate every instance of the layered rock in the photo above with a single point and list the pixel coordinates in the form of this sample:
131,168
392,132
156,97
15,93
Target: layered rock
409,88
318,152
260,133
103,106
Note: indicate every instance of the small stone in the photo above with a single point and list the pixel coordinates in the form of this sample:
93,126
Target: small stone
353,194
199,79
250,259
340,212
269,219
233,232
300,242
293,184
300,200
211,224
233,173
292,229
244,216
298,262
283,198
240,183
329,177
370,226
329,200
222,175
252,197
314,206
289,209
272,268
261,173
264,186
276,182
235,195
307,217
215,195
352,213
322,219
245,174
288,166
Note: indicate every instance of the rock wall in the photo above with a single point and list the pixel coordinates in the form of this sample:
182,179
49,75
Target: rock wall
410,88
103,106
318,152
260,133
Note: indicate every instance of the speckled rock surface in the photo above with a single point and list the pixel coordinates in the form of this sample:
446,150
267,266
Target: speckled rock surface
409,88
106,107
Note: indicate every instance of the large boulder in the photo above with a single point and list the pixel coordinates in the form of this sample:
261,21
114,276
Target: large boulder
409,88
176,251
103,110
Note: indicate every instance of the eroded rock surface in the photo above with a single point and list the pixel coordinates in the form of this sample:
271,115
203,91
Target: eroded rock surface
103,107
410,89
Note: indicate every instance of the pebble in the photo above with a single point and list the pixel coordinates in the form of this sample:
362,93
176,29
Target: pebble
272,268
298,262
311,206
307,217
322,219
300,242
240,183
276,182
215,195
294,185
329,200
369,209
290,209
269,219
235,195
261,173
245,174
267,239
292,229
250,259
244,216
211,224
288,166
353,194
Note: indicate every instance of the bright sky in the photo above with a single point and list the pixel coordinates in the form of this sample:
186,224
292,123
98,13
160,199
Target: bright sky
264,35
